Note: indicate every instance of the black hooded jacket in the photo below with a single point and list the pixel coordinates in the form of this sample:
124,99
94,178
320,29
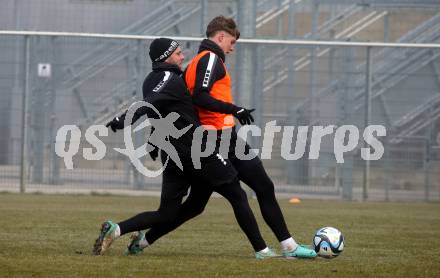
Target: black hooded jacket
165,89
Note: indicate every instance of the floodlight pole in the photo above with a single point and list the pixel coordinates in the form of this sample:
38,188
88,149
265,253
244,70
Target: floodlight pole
203,17
427,154
366,176
24,115
245,72
246,53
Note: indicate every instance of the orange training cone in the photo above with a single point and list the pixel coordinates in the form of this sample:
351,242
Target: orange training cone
294,200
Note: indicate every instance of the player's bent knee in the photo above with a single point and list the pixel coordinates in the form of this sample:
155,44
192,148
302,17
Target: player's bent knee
265,189
197,209
167,216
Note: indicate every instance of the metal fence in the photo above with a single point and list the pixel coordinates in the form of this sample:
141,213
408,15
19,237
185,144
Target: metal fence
53,79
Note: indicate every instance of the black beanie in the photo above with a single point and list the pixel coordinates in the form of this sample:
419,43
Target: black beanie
162,48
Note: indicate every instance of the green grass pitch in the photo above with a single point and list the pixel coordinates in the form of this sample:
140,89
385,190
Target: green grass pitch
52,236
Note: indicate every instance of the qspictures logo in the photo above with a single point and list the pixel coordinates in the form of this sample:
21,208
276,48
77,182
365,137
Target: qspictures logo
346,138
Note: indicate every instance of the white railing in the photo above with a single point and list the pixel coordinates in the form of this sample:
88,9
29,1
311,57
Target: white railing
241,41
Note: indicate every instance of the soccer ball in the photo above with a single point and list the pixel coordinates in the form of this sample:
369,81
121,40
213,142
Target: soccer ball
328,242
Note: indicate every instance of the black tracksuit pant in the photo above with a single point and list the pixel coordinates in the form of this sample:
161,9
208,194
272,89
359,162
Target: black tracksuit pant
172,212
252,173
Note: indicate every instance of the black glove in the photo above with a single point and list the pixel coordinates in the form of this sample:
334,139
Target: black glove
244,115
116,123
154,153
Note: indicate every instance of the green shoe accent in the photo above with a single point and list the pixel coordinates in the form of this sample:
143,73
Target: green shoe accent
300,252
134,248
105,238
266,255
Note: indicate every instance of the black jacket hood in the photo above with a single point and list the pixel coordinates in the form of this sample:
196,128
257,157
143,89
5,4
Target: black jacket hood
207,44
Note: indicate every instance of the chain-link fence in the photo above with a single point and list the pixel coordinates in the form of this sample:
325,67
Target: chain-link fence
51,80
